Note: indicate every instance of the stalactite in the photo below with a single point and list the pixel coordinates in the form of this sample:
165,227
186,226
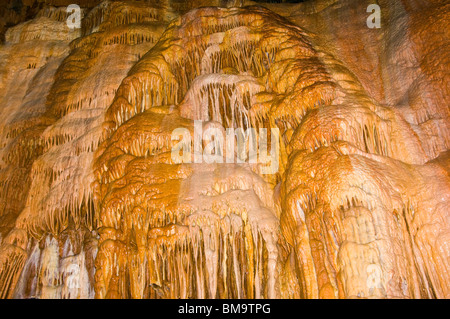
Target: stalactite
58,153
92,203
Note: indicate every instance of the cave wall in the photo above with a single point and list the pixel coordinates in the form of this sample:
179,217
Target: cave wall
93,205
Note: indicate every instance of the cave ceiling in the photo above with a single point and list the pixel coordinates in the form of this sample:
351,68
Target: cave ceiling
224,149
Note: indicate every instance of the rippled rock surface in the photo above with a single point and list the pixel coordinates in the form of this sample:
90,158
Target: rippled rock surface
350,199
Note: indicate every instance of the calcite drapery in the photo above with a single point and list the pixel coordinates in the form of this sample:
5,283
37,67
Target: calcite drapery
93,205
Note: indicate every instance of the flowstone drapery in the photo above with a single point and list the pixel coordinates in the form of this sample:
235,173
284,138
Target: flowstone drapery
93,204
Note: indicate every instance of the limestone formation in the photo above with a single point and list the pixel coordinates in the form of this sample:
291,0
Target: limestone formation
93,205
